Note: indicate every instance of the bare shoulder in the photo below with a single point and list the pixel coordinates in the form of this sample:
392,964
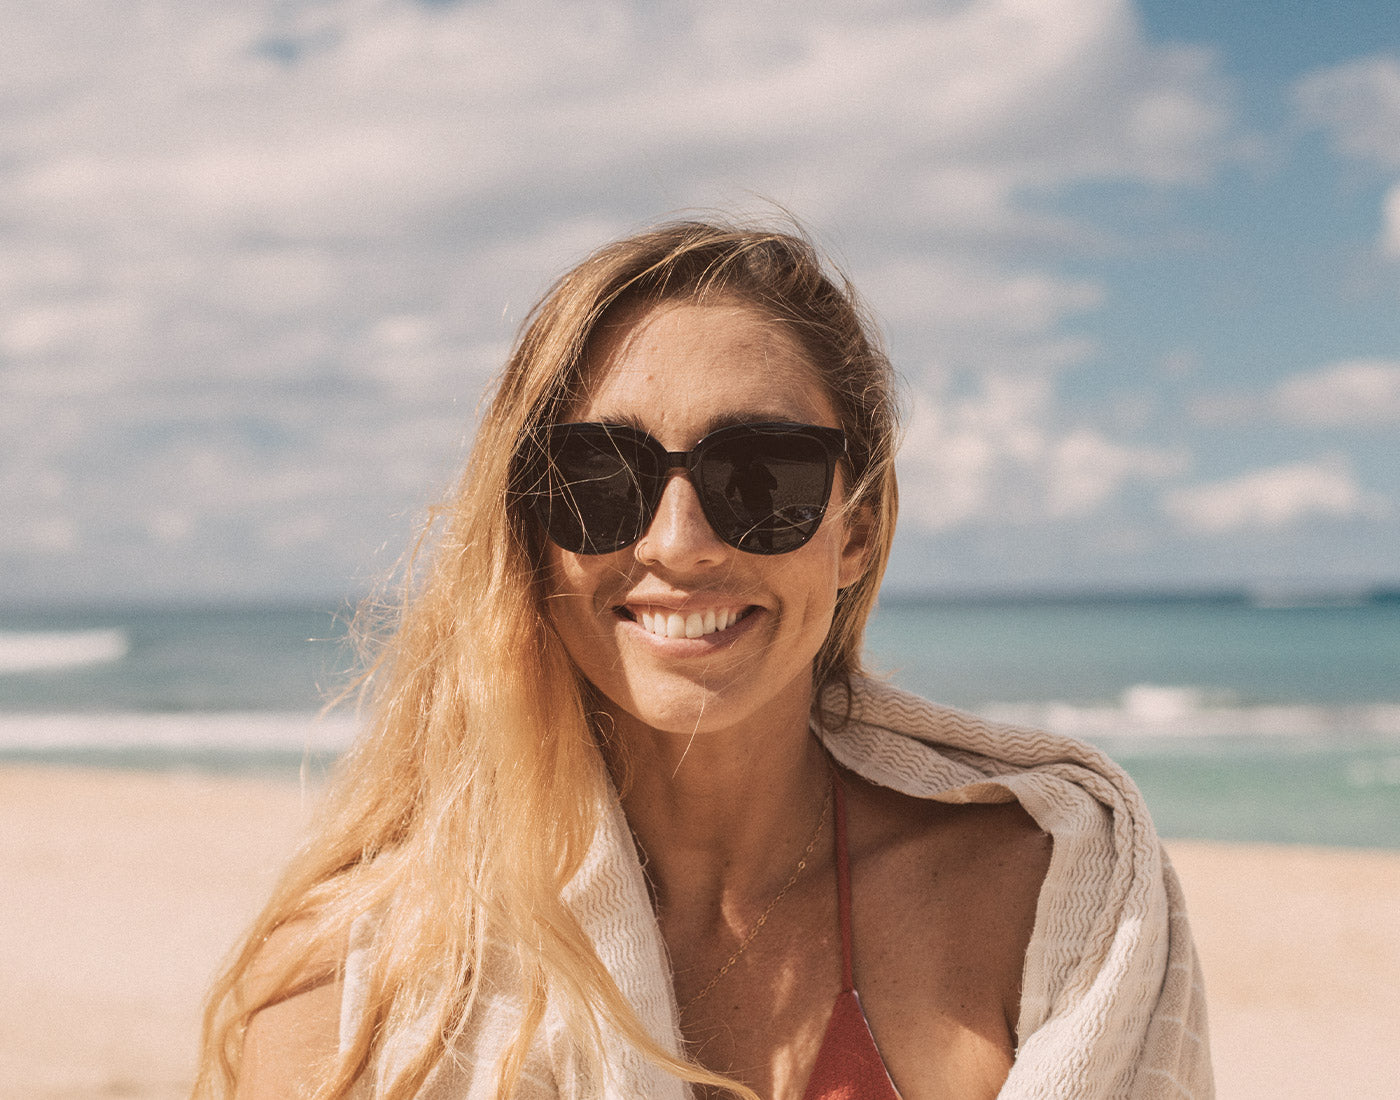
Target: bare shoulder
945,901
997,845
291,1041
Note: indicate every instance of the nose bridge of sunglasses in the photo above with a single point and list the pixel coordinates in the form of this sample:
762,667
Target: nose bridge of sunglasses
671,514
677,468
677,460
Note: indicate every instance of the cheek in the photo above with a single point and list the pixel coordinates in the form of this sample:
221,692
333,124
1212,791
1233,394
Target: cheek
562,587
574,597
810,582
566,574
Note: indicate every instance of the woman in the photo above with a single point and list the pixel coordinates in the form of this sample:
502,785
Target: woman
629,821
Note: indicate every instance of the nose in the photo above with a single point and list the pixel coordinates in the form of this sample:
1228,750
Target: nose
680,536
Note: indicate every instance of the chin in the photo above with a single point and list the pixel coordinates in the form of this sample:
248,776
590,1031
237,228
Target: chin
684,714
688,709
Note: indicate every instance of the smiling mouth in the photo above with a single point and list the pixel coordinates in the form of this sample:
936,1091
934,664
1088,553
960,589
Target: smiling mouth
687,624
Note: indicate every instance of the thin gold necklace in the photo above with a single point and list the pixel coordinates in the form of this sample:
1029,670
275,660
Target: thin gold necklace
763,917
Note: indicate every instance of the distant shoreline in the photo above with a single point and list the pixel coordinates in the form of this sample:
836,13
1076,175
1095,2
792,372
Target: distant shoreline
1261,597
343,608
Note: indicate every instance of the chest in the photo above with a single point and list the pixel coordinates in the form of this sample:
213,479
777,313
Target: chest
936,1009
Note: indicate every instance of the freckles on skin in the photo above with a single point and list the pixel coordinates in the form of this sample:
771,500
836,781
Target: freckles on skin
767,664
673,367
641,673
679,371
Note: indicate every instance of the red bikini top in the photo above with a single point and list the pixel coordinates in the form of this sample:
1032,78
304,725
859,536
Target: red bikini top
848,1066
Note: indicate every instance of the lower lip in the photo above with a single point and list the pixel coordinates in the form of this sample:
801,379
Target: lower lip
703,644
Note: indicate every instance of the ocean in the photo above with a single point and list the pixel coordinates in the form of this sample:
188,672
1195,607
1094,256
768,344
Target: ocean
1240,718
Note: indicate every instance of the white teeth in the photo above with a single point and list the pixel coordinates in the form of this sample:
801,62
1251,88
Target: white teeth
696,624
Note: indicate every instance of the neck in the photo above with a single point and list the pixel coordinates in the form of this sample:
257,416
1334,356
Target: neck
721,816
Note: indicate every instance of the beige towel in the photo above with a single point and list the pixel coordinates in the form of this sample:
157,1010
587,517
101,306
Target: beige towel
1112,1004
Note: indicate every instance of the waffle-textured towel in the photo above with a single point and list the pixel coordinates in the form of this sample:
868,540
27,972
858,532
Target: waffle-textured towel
1112,1004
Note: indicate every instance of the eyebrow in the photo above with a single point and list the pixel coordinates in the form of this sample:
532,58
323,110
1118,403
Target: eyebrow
714,423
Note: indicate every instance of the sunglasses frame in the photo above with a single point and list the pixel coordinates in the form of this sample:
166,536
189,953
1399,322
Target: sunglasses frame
542,501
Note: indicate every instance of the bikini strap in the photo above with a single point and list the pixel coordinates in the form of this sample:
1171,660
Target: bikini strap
843,884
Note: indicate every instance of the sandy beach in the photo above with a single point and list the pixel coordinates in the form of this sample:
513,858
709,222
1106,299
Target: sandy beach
123,890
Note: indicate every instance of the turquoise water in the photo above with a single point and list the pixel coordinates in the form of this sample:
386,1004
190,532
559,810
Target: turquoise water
1231,650
221,659
1239,720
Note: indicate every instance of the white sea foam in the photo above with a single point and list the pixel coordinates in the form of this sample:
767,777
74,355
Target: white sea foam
28,651
1143,710
201,731
1384,772
1156,710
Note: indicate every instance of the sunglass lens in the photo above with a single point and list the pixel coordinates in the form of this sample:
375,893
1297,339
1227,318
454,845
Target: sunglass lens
765,493
595,503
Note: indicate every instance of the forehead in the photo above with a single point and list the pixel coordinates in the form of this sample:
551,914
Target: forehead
682,368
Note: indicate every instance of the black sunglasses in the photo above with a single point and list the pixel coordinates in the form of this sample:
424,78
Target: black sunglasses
763,487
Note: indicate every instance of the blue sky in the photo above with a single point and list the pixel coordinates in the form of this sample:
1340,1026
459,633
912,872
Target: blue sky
1139,264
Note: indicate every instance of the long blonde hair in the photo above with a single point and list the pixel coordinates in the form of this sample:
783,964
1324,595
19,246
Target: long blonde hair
479,722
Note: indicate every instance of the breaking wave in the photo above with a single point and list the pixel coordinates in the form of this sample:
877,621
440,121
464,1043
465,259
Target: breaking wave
1156,710
59,650
197,731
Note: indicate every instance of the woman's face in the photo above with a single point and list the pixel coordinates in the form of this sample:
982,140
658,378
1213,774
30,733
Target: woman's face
679,371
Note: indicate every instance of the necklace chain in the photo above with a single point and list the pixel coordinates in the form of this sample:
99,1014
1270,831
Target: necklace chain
763,917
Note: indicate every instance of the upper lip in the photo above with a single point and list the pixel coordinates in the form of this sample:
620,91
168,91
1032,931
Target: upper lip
699,601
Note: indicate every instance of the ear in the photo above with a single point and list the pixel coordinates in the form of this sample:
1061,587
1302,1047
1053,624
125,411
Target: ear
855,552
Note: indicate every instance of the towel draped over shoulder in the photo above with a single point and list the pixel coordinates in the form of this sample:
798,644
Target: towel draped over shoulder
1112,1001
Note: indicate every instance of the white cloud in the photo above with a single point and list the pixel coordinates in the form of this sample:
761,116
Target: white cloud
389,113
951,294
1274,499
1085,471
1358,103
268,253
956,452
48,535
991,457
1355,394
1358,393
1390,237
